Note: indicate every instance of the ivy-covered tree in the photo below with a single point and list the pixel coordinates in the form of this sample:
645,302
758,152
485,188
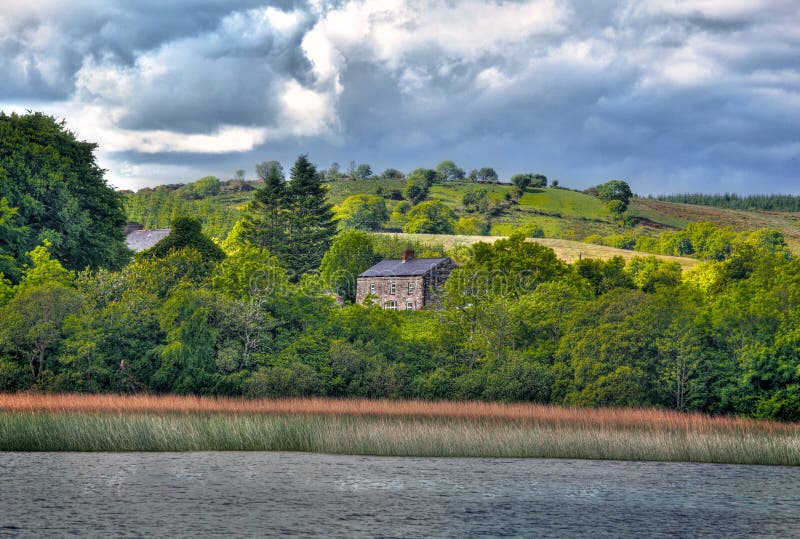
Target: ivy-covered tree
187,232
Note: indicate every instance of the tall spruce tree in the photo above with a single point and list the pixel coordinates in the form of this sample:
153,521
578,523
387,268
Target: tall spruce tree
311,225
266,224
293,220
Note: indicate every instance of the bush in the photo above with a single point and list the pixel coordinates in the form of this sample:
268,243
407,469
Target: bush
293,380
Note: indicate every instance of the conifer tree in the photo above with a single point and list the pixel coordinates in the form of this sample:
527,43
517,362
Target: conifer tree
266,225
293,220
311,225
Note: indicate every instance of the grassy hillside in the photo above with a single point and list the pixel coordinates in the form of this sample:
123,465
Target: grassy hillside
679,215
561,214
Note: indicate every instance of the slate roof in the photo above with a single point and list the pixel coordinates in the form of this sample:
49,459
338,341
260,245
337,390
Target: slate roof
398,268
139,240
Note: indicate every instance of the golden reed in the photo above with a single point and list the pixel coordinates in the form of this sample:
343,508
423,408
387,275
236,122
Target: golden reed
520,413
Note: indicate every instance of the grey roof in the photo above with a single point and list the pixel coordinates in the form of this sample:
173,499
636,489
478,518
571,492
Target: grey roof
398,268
139,240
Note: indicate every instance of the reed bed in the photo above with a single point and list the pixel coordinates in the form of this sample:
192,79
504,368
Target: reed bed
30,422
648,419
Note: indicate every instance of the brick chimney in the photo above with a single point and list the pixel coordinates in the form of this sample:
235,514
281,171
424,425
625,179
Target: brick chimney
408,254
132,226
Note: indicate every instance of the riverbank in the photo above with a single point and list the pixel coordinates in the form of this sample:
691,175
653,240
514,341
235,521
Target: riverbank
386,428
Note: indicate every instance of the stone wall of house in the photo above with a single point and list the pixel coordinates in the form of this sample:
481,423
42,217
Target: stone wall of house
407,293
424,290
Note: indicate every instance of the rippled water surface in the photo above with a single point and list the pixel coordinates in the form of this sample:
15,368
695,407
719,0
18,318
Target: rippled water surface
295,494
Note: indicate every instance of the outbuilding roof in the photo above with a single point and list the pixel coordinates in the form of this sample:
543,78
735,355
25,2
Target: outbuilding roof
398,268
139,240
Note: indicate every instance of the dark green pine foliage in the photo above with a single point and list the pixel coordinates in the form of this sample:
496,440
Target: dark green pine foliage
267,221
311,225
186,232
60,195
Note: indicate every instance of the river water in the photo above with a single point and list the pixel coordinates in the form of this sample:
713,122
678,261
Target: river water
295,494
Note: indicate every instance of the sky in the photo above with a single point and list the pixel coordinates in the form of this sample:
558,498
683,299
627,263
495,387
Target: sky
669,95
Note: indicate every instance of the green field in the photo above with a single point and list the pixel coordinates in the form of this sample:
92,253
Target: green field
567,250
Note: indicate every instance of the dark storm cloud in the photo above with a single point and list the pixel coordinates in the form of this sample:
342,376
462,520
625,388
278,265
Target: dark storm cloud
42,49
670,95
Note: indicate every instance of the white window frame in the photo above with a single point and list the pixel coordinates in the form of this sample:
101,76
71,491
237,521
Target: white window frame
412,287
390,305
371,288
410,306
392,288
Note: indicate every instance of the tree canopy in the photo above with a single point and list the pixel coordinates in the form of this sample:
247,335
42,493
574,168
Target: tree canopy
447,171
362,212
431,217
52,189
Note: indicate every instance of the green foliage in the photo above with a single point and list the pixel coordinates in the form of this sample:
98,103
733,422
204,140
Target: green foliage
615,190
515,324
52,189
351,253
507,267
484,174
393,246
432,217
270,169
33,323
392,174
311,225
186,233
423,175
476,199
448,171
293,220
187,359
363,172
521,181
471,226
362,212
43,270
649,272
605,275
249,271
417,187
206,187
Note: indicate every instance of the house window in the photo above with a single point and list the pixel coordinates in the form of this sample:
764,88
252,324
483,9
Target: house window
371,288
392,288
391,305
410,288
410,306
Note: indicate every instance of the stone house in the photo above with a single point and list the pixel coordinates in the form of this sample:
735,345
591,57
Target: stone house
407,284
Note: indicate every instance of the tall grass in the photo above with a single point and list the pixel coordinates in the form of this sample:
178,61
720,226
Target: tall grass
406,428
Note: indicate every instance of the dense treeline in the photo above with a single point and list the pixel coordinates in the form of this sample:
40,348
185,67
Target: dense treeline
517,325
267,312
704,241
733,201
